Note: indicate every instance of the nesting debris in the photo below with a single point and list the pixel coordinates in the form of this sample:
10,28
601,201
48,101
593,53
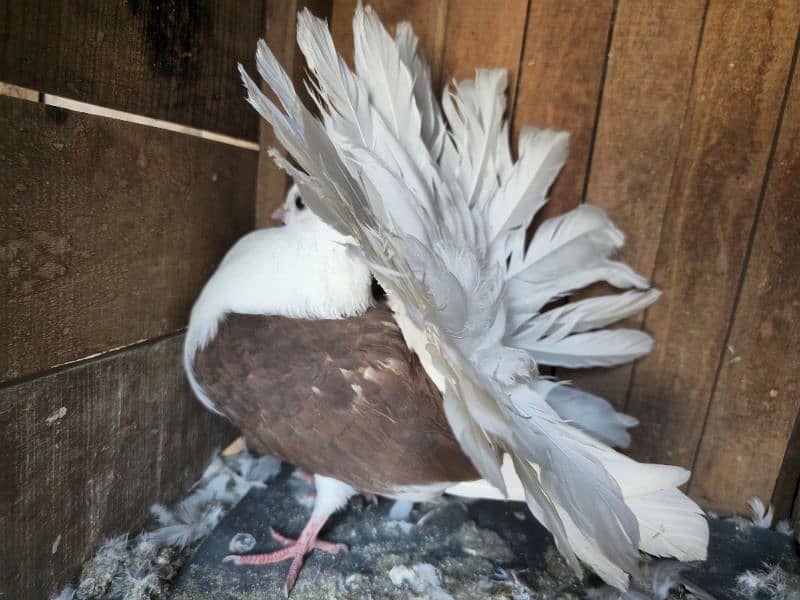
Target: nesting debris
142,567
461,551
517,588
449,548
773,583
422,580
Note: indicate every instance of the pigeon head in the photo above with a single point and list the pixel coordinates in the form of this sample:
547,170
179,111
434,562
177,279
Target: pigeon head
294,210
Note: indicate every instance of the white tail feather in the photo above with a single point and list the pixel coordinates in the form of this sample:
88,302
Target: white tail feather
590,413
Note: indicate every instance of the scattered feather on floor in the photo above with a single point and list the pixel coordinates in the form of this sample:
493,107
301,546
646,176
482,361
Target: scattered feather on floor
773,583
422,579
515,586
140,568
762,515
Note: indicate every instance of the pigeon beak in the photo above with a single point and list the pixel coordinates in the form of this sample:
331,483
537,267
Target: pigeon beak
279,214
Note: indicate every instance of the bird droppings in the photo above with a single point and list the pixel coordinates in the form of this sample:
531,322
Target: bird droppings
56,416
241,543
56,544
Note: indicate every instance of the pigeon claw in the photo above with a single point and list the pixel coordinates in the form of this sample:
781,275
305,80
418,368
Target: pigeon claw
295,550
329,547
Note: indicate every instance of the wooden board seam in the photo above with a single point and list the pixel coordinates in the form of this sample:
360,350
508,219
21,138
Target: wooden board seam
511,110
78,362
30,95
436,77
599,106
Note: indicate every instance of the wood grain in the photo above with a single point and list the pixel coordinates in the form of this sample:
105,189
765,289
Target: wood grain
483,34
757,398
170,60
560,81
87,450
280,35
645,96
427,17
108,230
739,84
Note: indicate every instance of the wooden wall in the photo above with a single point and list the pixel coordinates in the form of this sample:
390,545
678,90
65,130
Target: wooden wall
685,123
108,229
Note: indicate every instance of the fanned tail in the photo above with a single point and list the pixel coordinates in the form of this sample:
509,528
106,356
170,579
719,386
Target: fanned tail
589,413
439,216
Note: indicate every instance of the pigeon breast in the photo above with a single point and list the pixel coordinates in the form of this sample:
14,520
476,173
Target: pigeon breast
344,398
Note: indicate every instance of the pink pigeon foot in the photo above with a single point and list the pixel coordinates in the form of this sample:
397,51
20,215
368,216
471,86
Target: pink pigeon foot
294,549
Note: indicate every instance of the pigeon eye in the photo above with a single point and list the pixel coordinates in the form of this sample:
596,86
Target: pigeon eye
298,202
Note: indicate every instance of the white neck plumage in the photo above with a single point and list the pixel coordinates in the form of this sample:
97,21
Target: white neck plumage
300,271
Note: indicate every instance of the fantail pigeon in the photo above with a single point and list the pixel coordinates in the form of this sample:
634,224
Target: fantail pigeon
443,388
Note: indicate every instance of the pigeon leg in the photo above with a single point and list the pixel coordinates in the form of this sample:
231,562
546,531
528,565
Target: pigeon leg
401,510
331,496
302,475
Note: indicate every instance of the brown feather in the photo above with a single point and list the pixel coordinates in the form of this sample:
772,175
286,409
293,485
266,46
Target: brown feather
343,398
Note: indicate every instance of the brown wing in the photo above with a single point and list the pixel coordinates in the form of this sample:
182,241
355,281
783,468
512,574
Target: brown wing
343,398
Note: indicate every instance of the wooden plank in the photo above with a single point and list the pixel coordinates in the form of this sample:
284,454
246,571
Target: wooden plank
645,96
739,85
87,450
108,230
281,26
427,17
487,35
756,402
560,81
169,60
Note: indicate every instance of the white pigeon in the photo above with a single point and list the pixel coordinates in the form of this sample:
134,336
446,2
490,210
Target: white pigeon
430,201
